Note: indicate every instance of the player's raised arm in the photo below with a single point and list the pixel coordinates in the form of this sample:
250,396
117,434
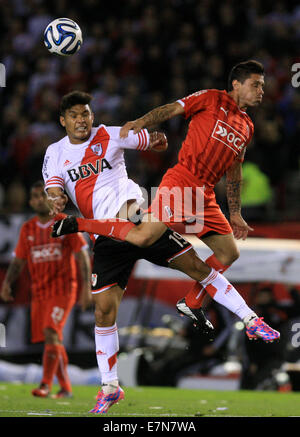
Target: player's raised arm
233,191
143,140
156,116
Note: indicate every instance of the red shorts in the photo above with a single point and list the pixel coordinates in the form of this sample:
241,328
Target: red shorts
52,313
179,200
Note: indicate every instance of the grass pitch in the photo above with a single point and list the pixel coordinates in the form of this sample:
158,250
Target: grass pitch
16,401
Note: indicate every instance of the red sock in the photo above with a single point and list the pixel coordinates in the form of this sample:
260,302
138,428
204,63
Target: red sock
50,363
62,373
213,262
116,228
198,296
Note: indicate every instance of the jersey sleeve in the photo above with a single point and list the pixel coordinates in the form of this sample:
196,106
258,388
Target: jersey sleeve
139,141
195,102
20,249
241,156
51,173
78,242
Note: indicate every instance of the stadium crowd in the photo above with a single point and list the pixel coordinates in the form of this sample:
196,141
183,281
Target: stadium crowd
140,54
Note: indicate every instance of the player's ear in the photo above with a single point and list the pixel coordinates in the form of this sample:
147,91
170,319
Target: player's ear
236,84
62,121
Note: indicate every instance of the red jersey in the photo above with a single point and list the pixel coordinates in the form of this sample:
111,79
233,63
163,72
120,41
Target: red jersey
50,261
218,134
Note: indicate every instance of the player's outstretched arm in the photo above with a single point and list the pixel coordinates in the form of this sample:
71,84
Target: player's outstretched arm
233,191
14,269
154,117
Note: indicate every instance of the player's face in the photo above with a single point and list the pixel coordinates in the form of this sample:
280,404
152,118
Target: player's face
38,201
78,122
251,91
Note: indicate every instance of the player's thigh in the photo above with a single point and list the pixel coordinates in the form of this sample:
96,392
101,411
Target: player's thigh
53,316
149,230
174,251
223,246
37,317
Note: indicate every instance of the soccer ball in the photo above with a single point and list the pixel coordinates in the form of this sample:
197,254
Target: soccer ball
63,37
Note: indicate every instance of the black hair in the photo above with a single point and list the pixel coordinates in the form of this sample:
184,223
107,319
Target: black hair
243,70
37,184
74,98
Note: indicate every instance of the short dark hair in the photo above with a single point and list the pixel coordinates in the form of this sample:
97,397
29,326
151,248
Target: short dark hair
243,70
74,98
37,184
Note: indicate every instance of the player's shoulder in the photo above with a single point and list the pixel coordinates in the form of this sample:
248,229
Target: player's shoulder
29,224
57,145
211,95
113,131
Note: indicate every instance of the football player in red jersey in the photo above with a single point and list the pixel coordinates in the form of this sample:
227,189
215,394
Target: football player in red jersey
215,144
52,268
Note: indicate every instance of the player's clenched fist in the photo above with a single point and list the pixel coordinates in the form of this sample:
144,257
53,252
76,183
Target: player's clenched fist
158,141
57,202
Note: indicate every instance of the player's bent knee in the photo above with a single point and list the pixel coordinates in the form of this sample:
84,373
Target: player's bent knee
51,336
231,256
105,317
228,257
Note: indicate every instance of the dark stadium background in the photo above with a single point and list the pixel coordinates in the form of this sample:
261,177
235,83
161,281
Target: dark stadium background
136,55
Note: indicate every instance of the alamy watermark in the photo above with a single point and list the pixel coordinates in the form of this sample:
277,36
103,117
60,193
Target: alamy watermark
2,75
296,337
2,335
170,205
296,76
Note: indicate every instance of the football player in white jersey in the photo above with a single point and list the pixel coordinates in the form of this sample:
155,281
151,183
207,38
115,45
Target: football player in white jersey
89,165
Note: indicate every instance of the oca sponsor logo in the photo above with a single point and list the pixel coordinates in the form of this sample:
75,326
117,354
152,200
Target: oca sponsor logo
46,252
229,136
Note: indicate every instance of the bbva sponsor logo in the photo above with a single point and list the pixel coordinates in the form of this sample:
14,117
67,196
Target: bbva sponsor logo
86,170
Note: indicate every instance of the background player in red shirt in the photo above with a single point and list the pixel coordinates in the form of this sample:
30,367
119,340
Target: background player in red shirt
52,269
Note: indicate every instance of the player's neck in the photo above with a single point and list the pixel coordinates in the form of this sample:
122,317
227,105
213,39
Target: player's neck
242,105
77,141
44,218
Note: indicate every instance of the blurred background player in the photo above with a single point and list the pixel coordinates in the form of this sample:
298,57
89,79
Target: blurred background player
52,269
215,144
89,164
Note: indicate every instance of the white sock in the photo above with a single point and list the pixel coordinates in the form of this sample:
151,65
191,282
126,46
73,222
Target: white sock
249,320
107,347
225,294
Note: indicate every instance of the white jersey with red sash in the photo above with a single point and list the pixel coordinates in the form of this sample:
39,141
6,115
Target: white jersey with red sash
94,173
